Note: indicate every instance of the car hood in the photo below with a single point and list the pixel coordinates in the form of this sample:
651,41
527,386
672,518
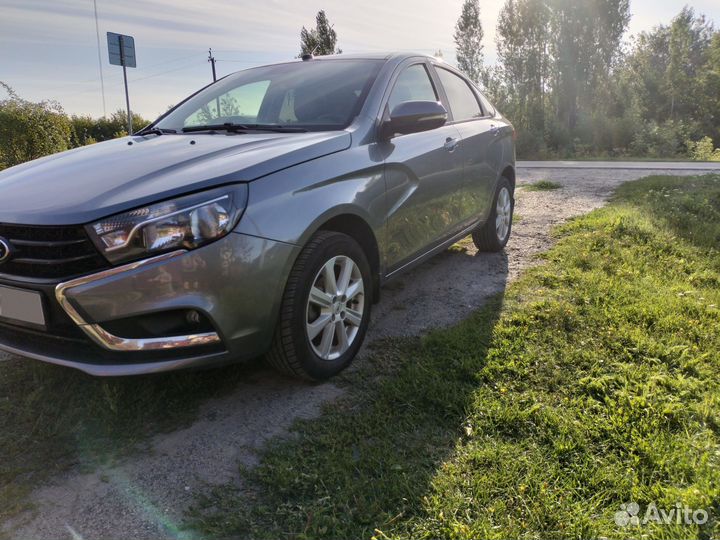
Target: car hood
88,183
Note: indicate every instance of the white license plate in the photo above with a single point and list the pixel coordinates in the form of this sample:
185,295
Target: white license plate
21,306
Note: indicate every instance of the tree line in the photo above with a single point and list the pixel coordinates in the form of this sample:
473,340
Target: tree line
564,76
572,88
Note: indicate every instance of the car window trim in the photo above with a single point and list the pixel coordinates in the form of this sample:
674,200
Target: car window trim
471,86
397,75
480,96
383,113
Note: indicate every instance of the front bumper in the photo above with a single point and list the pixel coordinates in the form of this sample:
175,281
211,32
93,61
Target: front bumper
236,283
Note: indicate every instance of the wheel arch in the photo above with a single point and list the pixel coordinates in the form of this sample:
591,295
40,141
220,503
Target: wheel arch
509,173
359,230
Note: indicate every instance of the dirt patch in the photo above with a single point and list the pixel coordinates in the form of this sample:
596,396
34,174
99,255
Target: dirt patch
144,497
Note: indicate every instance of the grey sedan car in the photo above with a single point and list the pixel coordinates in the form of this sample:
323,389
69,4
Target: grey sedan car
259,216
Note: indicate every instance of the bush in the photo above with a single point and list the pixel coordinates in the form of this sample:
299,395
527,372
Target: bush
666,140
703,150
88,130
30,130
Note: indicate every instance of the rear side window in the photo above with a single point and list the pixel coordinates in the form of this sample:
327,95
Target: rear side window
413,84
487,106
463,103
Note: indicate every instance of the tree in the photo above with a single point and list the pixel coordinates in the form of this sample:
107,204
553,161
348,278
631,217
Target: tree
673,78
468,40
710,89
524,64
689,40
586,40
320,40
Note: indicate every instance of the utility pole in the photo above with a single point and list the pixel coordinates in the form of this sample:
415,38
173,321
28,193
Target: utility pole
211,59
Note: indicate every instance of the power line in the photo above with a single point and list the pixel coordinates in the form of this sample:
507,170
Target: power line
143,78
116,78
97,34
165,62
164,72
238,61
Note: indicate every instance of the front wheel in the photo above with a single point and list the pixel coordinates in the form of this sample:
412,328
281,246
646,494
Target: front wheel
495,233
325,308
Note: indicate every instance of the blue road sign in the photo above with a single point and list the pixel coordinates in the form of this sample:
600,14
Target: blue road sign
121,49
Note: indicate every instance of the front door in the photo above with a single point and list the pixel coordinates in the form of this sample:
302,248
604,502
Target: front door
424,175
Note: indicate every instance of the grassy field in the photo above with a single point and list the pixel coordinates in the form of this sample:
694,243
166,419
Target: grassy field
593,382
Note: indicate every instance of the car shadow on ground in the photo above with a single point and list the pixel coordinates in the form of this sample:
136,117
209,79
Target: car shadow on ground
376,451
54,419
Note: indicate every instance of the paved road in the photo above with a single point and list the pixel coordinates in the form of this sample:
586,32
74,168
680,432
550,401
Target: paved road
634,165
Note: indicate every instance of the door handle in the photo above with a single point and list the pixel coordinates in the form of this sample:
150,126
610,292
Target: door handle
495,130
451,144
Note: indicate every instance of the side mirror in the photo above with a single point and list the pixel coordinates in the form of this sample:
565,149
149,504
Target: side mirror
414,117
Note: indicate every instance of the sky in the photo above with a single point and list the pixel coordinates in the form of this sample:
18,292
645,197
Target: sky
48,48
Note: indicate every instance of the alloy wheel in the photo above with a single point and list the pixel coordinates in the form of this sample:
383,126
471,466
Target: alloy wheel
503,214
335,307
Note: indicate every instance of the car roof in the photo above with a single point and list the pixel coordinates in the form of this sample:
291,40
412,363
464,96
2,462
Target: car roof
387,55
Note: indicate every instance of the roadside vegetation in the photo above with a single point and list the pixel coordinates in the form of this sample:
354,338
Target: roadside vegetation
591,383
575,93
31,130
542,185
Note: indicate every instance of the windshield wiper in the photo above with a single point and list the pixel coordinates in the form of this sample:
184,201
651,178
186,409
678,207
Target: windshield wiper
273,127
228,126
155,131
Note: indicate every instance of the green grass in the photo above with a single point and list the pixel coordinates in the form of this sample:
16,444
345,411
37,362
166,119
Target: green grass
626,158
54,418
593,381
542,185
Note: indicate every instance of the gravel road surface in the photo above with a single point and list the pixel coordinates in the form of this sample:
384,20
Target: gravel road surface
144,497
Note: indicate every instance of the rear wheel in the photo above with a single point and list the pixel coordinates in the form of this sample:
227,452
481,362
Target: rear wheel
494,234
325,308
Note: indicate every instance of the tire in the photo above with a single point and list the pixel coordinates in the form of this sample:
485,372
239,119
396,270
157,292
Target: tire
294,350
494,235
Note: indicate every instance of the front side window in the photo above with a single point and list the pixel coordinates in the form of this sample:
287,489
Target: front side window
413,84
314,95
463,103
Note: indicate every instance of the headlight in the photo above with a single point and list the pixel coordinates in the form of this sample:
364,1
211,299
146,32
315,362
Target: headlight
183,223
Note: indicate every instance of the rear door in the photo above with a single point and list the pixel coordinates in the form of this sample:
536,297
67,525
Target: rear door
478,131
423,172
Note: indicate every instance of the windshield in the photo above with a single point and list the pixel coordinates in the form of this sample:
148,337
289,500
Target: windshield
313,95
